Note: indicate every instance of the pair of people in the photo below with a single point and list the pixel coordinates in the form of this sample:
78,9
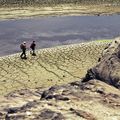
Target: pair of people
24,47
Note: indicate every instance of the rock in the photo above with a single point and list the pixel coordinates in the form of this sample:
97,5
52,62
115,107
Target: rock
76,83
110,49
54,92
108,69
83,114
61,97
2,115
29,105
13,110
47,114
89,76
14,117
76,100
48,94
20,93
100,90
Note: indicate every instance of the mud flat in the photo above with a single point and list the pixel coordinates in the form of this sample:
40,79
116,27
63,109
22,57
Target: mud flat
58,10
51,66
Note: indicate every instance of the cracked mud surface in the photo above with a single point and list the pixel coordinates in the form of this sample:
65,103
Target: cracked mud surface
51,66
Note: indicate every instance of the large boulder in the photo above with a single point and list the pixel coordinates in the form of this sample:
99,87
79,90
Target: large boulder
108,67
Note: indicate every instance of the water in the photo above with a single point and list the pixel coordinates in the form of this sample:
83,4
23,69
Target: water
54,31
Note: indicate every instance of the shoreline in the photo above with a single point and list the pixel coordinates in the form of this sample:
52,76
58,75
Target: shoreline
59,47
59,10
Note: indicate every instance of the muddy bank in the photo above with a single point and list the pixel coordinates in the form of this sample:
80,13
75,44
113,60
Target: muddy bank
58,10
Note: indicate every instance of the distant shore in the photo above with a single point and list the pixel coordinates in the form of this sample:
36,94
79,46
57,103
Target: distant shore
58,10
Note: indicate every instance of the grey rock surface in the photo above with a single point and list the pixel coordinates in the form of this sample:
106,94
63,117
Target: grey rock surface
84,102
108,67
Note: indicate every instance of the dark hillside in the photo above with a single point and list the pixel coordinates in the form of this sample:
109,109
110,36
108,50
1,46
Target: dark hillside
54,2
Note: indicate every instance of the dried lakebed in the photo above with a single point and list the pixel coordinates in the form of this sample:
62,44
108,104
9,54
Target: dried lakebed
51,66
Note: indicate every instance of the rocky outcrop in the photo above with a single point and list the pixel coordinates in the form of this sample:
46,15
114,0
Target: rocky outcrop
46,114
83,114
108,67
82,101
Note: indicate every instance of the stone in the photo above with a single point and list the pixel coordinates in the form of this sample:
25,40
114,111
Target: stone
61,97
108,68
83,114
47,114
13,110
2,115
14,117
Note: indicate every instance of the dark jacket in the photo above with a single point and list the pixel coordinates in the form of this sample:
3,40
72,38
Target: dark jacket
32,46
23,47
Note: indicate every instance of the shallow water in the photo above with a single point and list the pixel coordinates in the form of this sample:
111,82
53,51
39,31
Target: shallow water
54,31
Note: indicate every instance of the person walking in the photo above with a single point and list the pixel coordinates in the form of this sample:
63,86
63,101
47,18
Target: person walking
23,48
32,46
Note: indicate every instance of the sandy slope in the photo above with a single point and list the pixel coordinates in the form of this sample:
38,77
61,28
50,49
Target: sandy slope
51,66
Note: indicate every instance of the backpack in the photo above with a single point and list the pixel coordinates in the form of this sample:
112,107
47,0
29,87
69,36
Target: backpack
21,46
